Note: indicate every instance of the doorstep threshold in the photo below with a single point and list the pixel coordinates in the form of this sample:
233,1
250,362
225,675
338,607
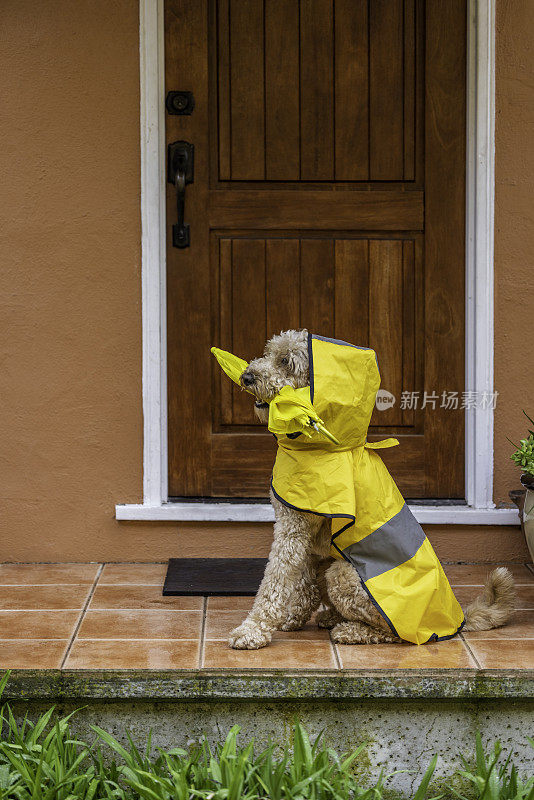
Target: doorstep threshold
418,501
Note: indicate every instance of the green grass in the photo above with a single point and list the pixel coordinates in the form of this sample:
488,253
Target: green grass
42,760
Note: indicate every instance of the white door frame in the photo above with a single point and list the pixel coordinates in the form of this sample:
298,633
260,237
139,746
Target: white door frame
480,508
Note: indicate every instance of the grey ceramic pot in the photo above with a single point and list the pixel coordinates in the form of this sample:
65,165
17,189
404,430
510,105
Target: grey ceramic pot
524,499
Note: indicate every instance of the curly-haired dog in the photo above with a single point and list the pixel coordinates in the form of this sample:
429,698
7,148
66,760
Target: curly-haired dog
300,574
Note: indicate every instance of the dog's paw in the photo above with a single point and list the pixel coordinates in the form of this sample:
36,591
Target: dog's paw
292,624
349,633
359,633
249,636
327,618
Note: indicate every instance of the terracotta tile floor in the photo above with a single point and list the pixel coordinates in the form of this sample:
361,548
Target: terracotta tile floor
113,616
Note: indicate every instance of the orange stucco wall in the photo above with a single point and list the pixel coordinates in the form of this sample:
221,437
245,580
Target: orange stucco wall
70,427
514,233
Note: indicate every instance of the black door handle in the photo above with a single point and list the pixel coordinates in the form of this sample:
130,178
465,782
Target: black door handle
180,173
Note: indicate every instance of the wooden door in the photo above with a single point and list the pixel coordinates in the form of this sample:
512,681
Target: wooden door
328,193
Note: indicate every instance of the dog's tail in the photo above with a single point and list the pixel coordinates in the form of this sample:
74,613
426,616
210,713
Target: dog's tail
495,605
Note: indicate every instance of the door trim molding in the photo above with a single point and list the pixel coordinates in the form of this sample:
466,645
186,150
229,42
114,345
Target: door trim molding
480,184
480,193
153,251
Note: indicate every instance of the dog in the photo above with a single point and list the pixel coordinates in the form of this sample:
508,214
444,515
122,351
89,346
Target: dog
300,574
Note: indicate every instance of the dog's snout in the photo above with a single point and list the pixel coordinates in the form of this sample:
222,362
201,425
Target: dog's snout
247,379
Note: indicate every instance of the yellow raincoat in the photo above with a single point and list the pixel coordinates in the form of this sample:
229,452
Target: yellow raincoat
372,527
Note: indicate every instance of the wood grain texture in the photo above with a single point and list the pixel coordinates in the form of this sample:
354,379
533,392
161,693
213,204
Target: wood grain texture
316,90
385,321
225,303
188,279
352,291
242,464
221,13
247,90
306,209
410,49
351,90
386,90
248,314
408,326
282,299
317,286
445,241
282,108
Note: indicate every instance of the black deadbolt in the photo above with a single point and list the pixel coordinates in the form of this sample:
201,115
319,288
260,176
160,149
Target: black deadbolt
181,103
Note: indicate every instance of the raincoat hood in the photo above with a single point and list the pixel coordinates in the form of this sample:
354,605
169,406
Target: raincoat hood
344,381
343,478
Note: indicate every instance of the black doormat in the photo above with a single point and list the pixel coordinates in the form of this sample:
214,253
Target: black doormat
211,576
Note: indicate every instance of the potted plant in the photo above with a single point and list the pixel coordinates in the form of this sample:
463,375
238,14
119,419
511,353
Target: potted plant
524,498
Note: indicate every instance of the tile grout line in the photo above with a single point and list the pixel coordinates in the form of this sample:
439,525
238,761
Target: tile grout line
157,585
123,608
82,615
78,563
470,651
202,634
107,639
122,639
500,638
41,585
157,610
279,641
333,647
526,584
63,563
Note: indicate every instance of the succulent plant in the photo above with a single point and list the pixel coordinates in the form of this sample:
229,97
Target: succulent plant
524,454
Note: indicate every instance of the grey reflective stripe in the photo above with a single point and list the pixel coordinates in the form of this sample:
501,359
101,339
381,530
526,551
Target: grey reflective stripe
392,544
338,341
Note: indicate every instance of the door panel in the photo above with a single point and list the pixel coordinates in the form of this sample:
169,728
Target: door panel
328,194
316,90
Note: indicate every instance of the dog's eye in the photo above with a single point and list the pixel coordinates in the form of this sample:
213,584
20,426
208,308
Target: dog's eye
285,361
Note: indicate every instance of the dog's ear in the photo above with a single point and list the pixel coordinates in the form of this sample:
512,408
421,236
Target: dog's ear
298,360
294,361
